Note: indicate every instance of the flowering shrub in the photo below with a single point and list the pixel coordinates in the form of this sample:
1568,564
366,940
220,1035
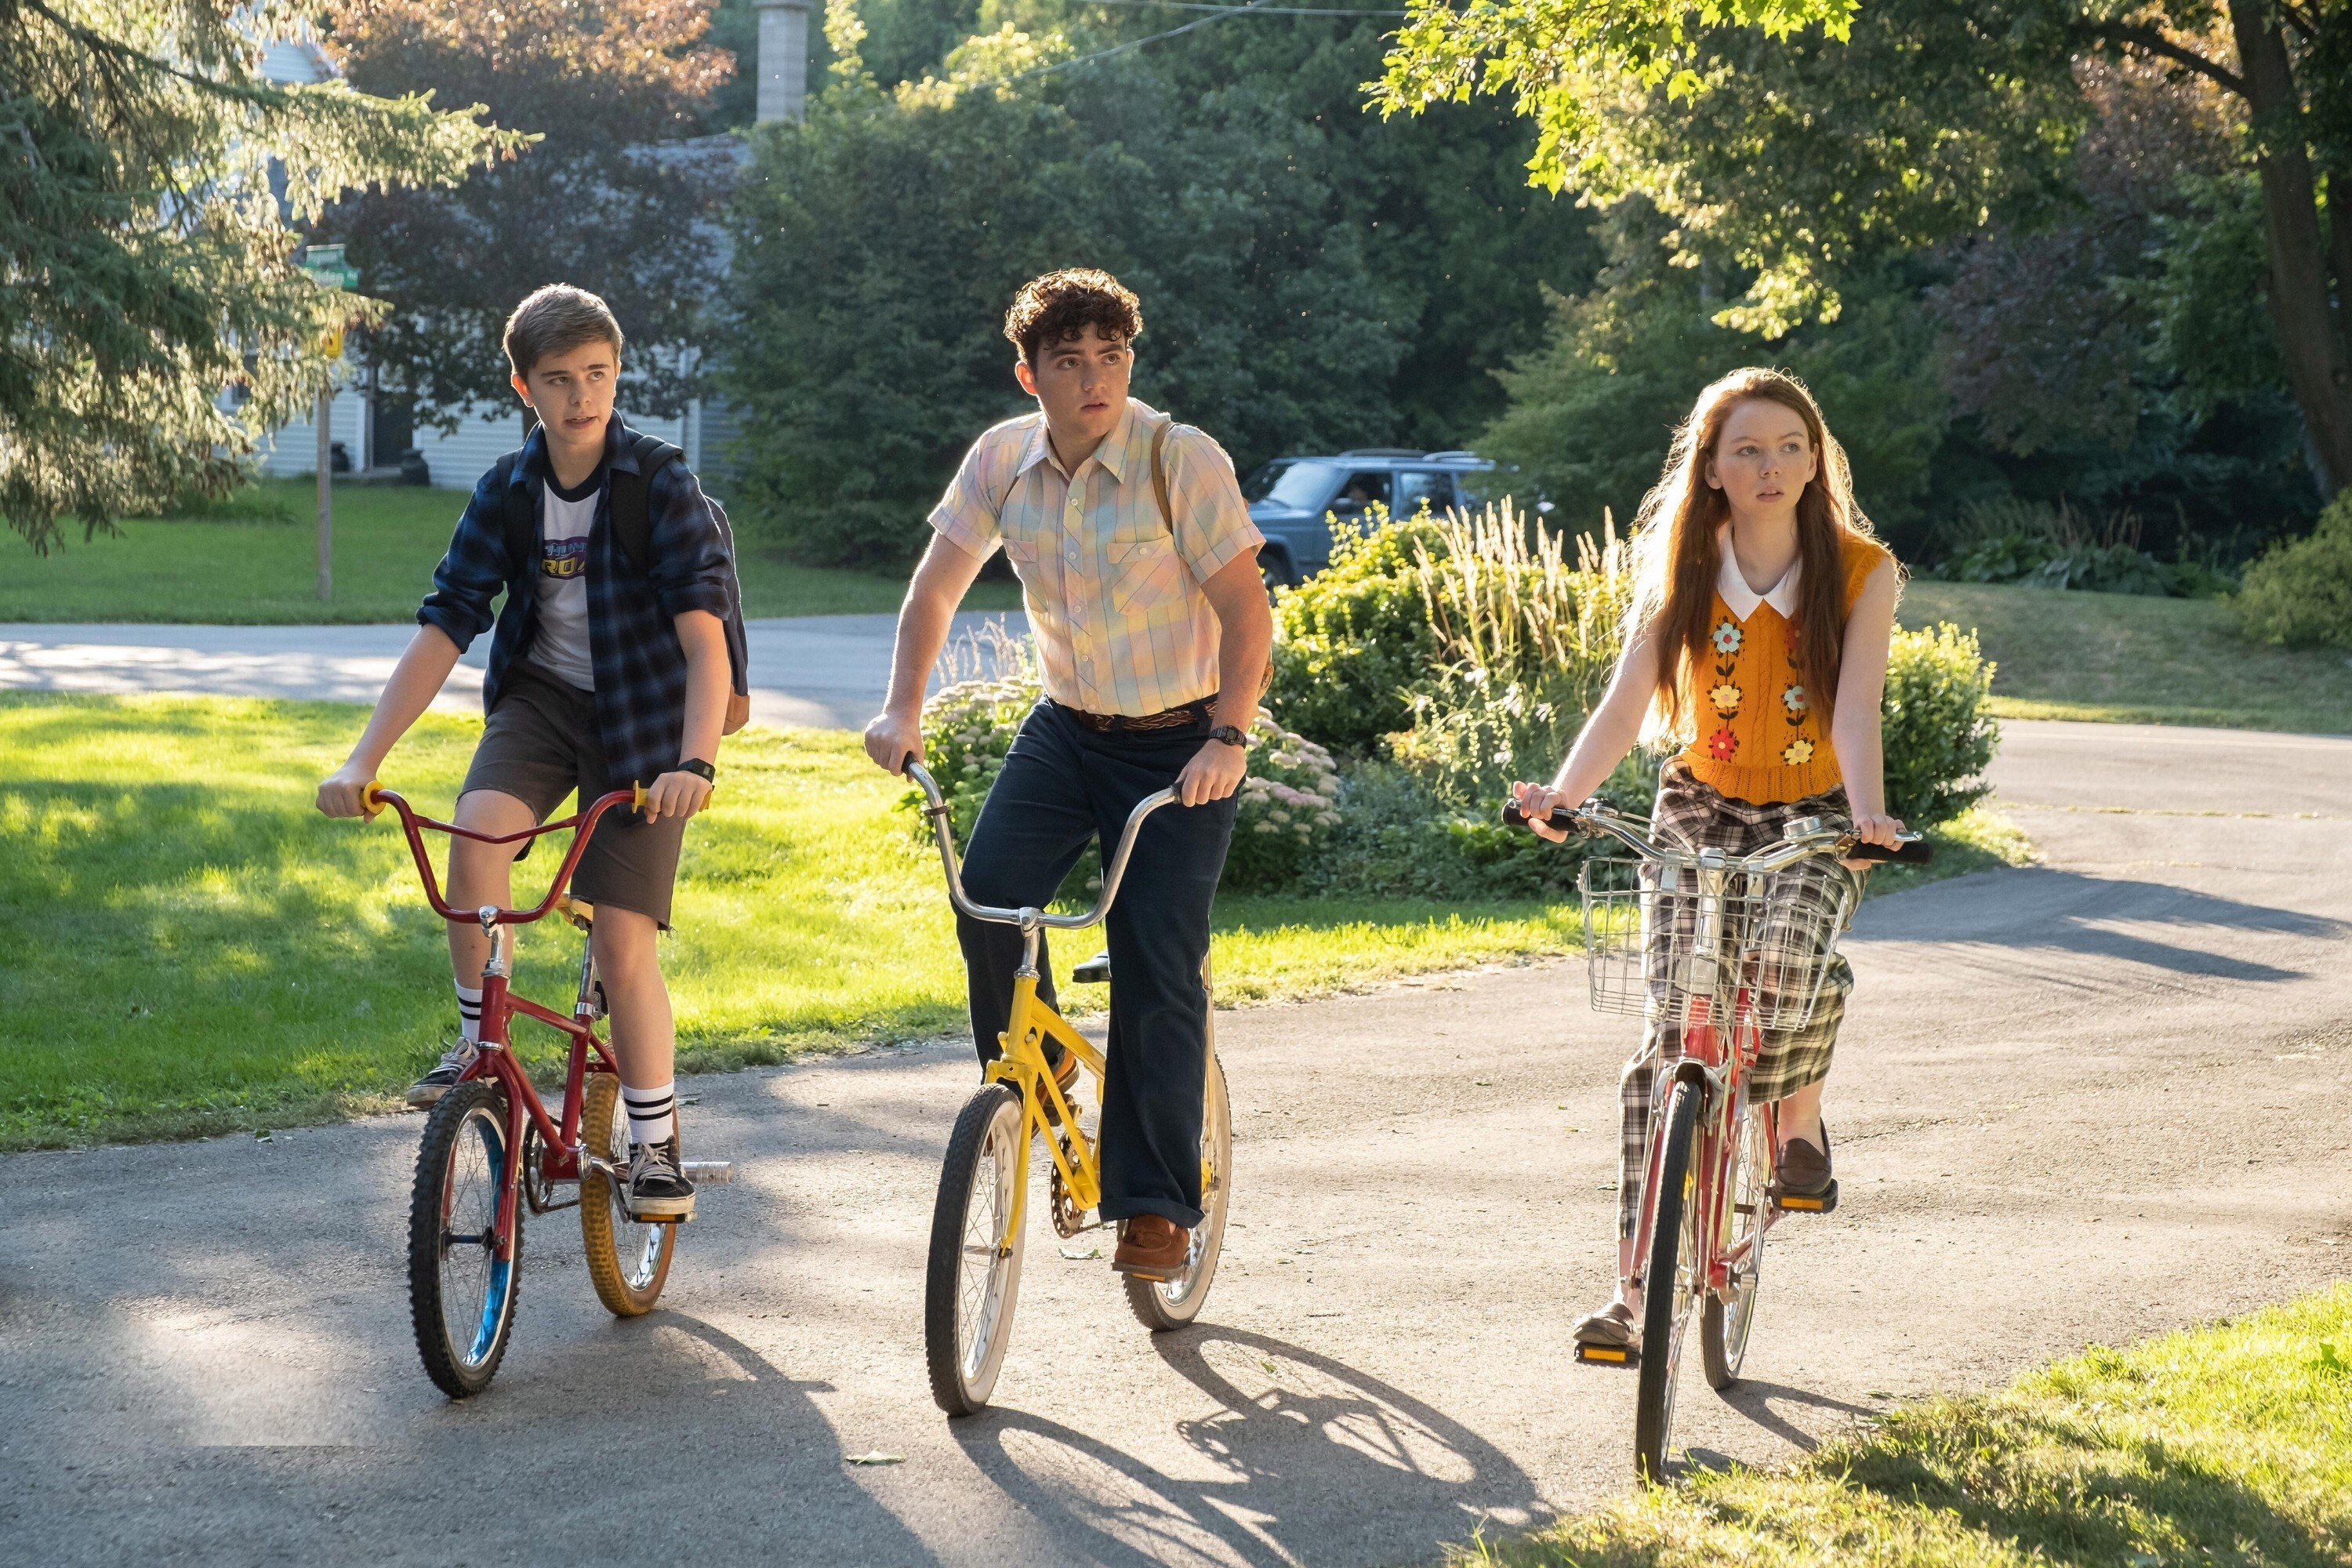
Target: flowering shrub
1289,808
969,723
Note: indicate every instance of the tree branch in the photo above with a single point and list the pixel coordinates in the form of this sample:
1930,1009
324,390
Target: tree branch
98,43
2150,41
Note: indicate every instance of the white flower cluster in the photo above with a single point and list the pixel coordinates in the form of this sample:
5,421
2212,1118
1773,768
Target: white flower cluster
1293,787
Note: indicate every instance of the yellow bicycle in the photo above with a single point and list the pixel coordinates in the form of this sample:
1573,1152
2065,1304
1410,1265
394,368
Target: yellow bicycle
974,1273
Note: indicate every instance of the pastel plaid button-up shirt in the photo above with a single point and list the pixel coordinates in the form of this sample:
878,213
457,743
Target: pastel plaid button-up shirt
1113,591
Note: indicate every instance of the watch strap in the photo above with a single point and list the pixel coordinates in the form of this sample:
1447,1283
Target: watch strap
699,768
1231,734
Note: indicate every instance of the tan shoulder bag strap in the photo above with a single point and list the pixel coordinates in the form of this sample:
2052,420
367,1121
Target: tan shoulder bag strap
1160,471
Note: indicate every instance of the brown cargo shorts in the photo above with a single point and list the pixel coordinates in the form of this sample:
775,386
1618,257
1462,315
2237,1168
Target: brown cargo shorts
542,742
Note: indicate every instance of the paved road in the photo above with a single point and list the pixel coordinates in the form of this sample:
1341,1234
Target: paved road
2079,1103
827,671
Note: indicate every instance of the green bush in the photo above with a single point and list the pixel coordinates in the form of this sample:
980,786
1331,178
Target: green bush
2300,594
1289,809
1352,641
1937,737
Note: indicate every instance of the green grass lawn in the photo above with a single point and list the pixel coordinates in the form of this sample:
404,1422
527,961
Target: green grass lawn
2224,1445
262,569
2122,659
192,948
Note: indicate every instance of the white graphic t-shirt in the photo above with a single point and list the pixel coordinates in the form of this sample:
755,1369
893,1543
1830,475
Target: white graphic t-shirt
561,648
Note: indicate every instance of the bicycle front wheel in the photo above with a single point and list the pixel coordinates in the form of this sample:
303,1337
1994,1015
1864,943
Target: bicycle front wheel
1668,1291
974,1273
628,1262
1164,1304
1725,1324
461,1293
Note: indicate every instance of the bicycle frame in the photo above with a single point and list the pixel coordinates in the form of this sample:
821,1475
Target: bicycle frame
560,1152
1021,1058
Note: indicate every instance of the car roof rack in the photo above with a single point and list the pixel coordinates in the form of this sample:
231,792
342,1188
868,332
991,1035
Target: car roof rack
1460,458
1382,452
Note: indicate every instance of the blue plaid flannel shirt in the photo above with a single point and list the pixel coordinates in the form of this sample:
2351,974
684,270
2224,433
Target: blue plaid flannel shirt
640,665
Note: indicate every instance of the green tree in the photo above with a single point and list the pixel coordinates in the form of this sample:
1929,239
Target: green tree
151,195
609,195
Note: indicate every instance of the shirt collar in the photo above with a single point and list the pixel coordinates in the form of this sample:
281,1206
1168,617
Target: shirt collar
1113,454
618,437
1743,599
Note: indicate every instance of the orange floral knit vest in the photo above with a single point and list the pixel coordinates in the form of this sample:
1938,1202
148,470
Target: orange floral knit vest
1758,738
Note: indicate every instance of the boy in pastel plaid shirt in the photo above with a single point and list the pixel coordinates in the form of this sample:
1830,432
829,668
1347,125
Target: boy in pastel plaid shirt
1153,629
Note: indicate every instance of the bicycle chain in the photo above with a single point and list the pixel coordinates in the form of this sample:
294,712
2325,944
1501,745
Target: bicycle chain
1068,1218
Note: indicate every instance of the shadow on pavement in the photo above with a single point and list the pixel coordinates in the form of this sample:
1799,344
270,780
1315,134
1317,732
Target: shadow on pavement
1300,1445
2071,913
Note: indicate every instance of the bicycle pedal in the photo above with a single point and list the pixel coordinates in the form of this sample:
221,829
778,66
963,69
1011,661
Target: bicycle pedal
709,1172
1790,1203
1608,1355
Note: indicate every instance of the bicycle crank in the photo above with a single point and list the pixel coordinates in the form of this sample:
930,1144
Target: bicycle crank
1069,1219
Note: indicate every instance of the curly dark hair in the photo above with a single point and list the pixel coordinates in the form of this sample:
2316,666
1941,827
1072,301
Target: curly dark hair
1061,305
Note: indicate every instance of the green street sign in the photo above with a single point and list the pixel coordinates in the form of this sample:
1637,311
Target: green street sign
326,266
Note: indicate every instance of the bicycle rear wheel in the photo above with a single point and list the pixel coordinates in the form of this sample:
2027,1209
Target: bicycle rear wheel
461,1294
1724,1323
974,1273
628,1262
1161,1305
1668,1293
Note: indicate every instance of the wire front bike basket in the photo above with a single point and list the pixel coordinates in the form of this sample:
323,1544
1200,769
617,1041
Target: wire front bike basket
1658,934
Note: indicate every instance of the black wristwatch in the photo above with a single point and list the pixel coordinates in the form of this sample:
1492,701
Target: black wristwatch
699,768
1230,734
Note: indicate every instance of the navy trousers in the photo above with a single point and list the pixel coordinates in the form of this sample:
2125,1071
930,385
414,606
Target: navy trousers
1062,786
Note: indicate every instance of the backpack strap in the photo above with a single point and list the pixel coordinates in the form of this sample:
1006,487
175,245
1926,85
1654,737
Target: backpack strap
519,519
1160,471
630,518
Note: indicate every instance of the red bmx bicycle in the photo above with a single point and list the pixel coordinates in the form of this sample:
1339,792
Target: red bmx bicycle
491,1150
1723,948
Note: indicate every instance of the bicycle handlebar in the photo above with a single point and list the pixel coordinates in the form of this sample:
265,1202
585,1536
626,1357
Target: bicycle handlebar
375,797
1113,870
1802,841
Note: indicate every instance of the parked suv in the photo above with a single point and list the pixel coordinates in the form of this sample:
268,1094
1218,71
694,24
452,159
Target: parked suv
1290,497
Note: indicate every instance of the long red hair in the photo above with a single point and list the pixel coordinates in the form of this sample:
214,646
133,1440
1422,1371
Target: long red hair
1677,557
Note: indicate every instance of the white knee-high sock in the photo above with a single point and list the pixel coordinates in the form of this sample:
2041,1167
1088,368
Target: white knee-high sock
469,1013
653,1112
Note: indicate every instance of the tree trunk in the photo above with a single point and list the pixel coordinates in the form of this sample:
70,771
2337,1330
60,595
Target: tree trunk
2307,329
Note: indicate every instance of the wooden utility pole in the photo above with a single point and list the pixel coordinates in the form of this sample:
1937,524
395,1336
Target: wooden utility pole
326,494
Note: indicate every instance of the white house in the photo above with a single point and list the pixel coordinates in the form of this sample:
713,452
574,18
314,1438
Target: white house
371,437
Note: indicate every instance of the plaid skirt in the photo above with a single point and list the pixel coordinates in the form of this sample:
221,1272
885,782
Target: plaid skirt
1694,816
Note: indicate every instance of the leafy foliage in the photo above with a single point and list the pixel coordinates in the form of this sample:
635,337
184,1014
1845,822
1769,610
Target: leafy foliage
1289,810
148,212
604,196
1308,281
1937,737
1350,641
2300,595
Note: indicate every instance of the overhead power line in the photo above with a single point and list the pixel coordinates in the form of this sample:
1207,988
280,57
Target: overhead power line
1216,14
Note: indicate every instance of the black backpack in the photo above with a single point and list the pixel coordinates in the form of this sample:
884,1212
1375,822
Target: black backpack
632,523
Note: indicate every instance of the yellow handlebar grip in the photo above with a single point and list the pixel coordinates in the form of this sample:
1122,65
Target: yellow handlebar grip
636,796
368,796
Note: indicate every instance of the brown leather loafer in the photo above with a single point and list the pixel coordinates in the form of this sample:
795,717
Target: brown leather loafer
1804,1171
1151,1247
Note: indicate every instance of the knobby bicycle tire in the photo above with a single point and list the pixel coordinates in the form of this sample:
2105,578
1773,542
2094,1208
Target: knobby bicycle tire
1174,1304
628,1287
992,1116
460,1375
1665,1307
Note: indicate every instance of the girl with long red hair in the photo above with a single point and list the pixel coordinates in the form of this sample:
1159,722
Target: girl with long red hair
1757,647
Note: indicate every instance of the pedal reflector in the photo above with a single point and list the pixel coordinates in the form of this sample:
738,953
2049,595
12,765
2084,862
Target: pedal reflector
1790,1203
1608,1355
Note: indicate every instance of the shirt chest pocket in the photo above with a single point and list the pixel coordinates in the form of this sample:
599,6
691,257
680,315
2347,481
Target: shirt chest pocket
1145,574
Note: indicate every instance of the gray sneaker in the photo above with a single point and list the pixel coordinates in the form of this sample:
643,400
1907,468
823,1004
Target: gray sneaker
426,1091
655,1189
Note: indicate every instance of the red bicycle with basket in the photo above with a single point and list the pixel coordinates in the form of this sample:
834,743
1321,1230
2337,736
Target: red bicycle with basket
491,1149
1727,947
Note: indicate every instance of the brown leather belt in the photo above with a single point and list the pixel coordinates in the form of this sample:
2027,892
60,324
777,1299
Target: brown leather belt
1192,714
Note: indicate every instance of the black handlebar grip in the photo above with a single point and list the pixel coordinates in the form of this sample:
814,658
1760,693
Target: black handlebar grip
1915,852
906,763
1561,818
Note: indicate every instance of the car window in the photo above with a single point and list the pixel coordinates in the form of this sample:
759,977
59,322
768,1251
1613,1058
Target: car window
1305,486
1261,484
1364,487
1417,486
